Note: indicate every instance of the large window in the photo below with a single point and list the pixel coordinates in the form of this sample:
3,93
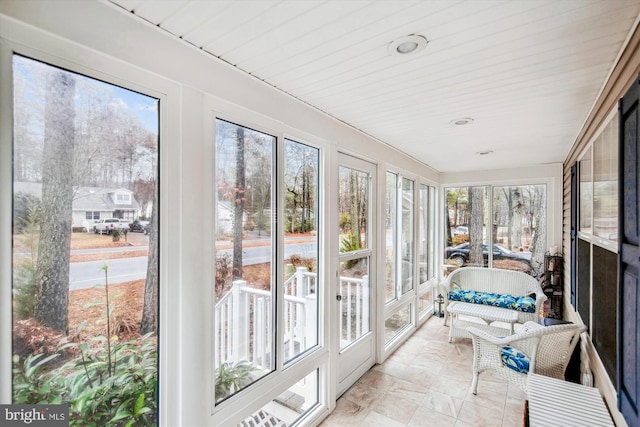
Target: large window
301,167
250,331
244,277
85,324
399,238
426,249
596,269
516,236
400,252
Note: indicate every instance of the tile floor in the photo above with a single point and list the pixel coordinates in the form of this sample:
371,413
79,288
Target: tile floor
427,382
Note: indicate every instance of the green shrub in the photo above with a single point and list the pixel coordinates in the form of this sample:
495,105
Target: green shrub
231,377
24,279
112,384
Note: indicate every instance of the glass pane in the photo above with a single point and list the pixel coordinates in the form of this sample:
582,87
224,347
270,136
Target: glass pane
289,407
586,193
85,159
301,165
353,209
395,323
407,238
354,300
423,236
425,303
390,236
519,228
466,226
244,310
605,183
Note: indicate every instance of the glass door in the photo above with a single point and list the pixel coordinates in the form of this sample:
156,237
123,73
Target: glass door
353,286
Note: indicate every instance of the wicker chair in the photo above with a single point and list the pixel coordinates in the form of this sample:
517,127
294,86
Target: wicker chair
544,350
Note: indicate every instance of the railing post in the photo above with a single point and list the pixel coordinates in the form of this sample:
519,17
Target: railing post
310,322
240,322
301,289
298,330
365,305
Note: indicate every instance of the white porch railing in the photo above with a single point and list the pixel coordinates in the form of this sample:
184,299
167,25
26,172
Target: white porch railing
244,322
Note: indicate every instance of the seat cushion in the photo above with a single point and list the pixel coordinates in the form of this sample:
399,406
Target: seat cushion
513,359
523,303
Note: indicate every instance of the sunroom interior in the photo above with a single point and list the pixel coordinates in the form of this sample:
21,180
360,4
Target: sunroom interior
317,169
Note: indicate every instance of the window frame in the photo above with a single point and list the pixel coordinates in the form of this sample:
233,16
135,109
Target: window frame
285,373
83,61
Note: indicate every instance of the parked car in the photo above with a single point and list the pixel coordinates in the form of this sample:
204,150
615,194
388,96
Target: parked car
460,230
138,226
107,225
460,253
147,228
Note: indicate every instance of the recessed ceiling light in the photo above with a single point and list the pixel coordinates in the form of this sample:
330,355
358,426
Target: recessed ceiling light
461,121
405,45
484,153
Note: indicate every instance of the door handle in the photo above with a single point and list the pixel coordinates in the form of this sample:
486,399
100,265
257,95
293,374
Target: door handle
339,297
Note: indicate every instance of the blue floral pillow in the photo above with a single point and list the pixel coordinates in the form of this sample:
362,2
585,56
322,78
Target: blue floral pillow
525,304
513,359
462,295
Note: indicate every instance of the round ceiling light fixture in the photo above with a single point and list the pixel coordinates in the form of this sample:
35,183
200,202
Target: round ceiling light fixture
461,121
405,45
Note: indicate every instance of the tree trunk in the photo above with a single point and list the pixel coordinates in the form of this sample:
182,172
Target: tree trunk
149,322
476,223
238,205
52,275
539,243
355,208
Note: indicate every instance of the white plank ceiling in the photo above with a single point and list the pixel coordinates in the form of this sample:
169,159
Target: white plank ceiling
526,71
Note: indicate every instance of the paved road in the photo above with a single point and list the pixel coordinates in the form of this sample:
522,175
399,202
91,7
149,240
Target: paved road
88,274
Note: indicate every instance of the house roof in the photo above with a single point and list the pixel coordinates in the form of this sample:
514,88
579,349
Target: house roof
85,198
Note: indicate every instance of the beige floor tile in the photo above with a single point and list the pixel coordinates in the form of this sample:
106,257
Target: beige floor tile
377,379
427,382
428,417
395,369
482,414
395,407
363,394
451,386
347,413
442,403
374,419
420,376
408,390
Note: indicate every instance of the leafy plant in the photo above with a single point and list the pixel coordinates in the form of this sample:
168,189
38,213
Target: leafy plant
115,234
349,243
31,385
25,272
111,383
231,377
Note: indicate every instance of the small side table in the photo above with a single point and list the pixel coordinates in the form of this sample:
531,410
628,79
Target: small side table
553,402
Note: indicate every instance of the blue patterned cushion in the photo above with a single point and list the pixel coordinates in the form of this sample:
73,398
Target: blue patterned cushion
462,295
524,303
513,359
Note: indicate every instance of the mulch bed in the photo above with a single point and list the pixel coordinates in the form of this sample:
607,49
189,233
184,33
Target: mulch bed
29,337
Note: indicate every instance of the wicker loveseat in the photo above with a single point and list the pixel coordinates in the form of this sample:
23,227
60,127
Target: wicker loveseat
492,295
